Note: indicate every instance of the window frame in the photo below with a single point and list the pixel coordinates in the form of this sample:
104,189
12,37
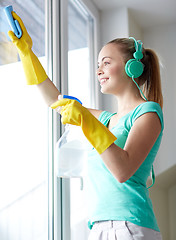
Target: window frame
57,58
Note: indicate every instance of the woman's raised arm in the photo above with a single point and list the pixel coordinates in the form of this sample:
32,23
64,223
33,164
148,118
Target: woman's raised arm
48,91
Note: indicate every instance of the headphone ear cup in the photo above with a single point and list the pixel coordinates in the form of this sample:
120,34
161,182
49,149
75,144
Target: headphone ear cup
134,68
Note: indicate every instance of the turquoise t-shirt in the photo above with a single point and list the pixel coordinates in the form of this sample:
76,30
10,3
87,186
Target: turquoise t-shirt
129,201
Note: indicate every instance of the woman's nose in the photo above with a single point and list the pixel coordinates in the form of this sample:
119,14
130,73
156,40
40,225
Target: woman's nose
99,71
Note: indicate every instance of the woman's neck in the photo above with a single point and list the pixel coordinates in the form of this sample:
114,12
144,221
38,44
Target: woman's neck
128,102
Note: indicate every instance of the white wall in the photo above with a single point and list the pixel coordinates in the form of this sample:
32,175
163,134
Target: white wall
172,212
163,195
160,202
162,39
114,24
134,27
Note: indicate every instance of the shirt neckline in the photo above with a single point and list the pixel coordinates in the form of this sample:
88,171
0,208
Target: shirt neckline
123,116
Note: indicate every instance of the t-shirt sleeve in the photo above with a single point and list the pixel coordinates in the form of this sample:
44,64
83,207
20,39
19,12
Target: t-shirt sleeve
145,108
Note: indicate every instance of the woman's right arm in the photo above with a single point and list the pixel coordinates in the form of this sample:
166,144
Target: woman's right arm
95,113
48,91
50,94
35,73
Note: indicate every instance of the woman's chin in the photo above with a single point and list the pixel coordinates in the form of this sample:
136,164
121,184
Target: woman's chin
105,91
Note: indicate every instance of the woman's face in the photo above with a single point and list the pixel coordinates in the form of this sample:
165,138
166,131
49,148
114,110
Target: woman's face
111,70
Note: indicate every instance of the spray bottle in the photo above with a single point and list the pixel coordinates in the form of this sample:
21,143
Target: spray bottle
71,150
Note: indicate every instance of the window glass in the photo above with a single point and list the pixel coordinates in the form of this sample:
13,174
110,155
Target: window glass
23,138
79,84
79,27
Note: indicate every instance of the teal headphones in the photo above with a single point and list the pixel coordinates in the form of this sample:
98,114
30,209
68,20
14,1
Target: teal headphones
134,67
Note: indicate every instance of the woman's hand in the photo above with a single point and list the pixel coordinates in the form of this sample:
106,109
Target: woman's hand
25,42
74,113
33,69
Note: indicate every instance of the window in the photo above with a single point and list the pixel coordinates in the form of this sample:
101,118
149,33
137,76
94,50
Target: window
80,52
80,34
74,39
27,209
24,134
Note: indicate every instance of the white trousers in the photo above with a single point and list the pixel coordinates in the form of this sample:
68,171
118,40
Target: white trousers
122,230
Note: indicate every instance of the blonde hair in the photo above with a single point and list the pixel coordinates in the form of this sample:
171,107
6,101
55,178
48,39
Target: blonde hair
150,78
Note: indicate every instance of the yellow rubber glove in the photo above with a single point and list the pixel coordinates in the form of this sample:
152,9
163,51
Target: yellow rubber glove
33,69
74,113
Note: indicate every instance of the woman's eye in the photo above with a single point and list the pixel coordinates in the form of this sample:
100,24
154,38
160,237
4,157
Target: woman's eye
106,63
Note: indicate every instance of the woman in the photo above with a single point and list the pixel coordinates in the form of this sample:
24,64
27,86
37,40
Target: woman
125,143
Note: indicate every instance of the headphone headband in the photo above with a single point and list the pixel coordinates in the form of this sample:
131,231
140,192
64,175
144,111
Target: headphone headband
138,44
138,47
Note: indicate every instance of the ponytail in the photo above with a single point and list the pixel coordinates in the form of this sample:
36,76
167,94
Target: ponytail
151,75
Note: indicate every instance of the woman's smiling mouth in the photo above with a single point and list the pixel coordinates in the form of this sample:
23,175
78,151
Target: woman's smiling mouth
103,80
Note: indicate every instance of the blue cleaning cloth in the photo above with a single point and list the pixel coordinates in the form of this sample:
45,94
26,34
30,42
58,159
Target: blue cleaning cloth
8,23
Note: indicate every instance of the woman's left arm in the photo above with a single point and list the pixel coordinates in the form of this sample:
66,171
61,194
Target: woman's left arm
123,163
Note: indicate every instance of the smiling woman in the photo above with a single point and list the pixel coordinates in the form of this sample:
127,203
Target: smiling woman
122,156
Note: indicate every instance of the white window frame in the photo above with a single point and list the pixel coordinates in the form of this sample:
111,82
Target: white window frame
57,56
